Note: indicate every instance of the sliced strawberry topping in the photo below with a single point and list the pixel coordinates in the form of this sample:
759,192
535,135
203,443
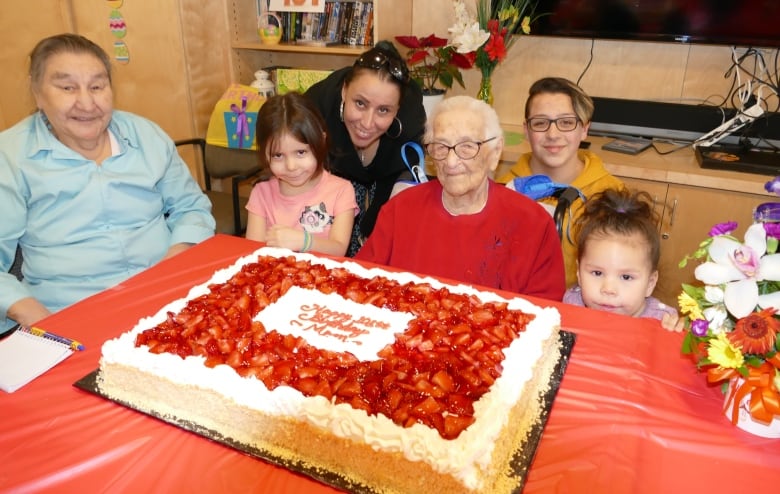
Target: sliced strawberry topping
449,356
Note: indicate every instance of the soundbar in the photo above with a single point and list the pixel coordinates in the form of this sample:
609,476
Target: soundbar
615,117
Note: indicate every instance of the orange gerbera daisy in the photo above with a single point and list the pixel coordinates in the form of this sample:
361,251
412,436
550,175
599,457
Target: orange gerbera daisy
756,333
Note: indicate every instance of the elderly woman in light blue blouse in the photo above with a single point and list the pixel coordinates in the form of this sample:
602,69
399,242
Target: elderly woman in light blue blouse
91,195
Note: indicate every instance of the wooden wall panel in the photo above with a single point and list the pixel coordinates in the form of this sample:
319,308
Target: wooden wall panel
207,56
154,83
20,29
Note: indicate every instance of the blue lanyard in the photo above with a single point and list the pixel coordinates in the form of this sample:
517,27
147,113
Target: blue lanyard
418,170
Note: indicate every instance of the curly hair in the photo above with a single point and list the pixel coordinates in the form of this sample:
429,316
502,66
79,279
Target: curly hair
620,212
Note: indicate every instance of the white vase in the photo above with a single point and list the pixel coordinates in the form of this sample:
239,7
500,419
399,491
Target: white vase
745,421
431,100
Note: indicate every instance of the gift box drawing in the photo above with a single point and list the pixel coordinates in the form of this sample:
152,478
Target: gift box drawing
234,118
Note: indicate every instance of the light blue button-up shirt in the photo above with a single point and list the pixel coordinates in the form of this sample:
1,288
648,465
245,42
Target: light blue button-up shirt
83,227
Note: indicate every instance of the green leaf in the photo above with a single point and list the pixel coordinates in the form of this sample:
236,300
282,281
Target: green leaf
688,344
445,78
695,292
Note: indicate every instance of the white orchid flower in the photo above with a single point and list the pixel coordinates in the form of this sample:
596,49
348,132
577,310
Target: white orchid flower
465,34
739,268
469,39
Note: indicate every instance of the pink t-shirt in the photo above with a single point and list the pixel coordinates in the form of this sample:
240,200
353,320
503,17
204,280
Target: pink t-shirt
314,210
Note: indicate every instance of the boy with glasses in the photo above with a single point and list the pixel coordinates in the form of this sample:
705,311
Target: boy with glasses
557,119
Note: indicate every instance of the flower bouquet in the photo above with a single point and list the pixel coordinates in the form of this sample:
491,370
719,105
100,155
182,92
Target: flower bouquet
487,38
433,63
732,320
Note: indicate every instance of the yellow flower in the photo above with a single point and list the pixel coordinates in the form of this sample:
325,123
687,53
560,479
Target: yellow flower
724,354
688,305
508,14
526,25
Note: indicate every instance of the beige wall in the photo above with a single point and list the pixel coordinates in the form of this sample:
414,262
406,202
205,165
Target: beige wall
669,72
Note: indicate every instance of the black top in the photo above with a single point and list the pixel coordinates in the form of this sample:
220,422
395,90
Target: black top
376,179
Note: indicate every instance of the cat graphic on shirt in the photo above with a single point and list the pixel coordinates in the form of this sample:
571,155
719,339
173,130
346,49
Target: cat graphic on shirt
315,218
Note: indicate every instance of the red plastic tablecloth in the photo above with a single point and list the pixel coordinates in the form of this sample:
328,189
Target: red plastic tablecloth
631,414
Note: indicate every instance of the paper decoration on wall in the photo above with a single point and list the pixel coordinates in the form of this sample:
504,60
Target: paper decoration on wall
118,27
117,24
121,52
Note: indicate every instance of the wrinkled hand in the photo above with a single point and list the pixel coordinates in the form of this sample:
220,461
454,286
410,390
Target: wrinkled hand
672,322
285,237
176,249
27,311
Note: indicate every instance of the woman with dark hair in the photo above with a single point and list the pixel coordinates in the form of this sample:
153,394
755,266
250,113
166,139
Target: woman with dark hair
371,109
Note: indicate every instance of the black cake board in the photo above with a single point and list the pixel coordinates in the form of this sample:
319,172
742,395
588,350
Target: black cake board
520,463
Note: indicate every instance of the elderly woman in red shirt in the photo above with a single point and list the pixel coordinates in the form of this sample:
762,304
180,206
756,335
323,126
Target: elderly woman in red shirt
464,226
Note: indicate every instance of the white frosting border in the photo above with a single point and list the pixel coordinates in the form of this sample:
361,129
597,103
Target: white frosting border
463,457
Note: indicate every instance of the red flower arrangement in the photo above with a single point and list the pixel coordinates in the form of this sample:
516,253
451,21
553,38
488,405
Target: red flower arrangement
489,37
431,61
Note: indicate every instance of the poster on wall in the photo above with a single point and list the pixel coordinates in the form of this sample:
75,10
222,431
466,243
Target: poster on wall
296,5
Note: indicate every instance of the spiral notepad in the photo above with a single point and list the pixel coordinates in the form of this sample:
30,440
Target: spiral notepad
25,356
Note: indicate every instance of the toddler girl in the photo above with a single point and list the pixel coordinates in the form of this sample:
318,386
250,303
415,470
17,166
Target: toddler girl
617,257
302,207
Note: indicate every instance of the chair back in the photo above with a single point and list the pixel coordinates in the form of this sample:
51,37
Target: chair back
16,267
221,162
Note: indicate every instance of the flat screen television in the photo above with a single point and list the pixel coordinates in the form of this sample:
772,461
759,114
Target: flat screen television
753,23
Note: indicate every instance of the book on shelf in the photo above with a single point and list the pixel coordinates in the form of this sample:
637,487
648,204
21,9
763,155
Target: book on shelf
354,26
341,22
333,22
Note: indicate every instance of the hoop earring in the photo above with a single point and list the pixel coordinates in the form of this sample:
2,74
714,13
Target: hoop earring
341,111
400,129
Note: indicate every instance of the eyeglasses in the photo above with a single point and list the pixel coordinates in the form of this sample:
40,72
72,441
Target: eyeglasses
374,59
464,150
564,124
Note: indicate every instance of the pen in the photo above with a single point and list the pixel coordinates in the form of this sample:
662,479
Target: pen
73,344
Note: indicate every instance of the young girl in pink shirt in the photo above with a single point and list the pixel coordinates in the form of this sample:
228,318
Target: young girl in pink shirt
302,207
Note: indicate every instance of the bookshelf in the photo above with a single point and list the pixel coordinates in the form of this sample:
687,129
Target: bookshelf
248,53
